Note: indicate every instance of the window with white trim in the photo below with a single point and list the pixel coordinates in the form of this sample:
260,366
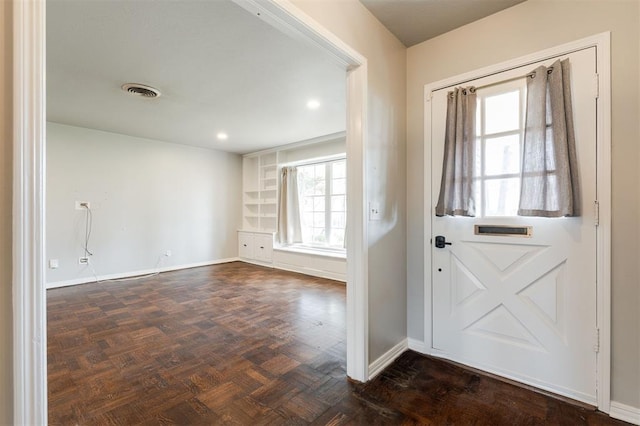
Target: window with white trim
323,204
500,134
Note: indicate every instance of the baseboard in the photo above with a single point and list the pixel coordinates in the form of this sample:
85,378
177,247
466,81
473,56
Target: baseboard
418,346
86,280
256,262
313,272
387,358
624,412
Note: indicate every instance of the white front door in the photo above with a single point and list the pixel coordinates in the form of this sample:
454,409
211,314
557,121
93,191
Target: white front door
522,306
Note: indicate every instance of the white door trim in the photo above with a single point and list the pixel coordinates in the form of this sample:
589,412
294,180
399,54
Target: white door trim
286,17
29,300
602,42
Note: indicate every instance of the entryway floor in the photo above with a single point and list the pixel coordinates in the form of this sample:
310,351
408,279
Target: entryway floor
247,345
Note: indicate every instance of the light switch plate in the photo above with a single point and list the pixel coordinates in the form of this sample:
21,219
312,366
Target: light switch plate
374,211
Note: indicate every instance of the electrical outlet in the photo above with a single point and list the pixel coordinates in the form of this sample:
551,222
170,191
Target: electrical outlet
167,253
83,260
81,205
53,264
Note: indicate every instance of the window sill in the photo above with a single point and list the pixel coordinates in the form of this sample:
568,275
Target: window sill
313,251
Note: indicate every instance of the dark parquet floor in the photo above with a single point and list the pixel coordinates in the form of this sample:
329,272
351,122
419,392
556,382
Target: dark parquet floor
240,344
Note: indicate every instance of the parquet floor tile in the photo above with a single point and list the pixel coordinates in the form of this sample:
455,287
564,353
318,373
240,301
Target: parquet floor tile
239,344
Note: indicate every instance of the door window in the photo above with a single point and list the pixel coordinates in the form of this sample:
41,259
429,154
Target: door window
500,133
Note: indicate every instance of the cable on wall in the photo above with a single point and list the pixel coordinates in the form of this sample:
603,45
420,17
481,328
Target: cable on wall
87,237
88,225
153,274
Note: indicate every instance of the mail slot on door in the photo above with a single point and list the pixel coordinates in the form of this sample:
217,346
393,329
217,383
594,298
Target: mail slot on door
504,230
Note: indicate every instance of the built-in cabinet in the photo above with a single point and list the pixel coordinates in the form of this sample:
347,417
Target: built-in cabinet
260,192
259,208
255,246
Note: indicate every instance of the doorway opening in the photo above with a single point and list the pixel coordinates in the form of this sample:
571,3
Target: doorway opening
29,260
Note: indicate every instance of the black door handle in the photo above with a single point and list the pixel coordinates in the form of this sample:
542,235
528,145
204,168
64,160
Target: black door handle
441,241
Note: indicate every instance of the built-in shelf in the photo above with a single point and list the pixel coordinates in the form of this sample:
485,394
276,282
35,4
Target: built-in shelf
260,186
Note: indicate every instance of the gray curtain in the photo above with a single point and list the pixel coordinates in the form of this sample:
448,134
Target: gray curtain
456,187
549,185
289,228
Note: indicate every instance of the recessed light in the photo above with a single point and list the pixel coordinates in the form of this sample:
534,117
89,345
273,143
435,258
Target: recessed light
222,136
313,104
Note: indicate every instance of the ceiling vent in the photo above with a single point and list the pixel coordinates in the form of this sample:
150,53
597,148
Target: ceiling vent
141,90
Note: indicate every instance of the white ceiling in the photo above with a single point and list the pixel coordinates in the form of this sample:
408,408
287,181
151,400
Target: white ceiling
219,68
414,21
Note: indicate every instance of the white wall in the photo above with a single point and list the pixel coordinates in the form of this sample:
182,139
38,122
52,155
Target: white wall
6,182
146,196
526,28
385,160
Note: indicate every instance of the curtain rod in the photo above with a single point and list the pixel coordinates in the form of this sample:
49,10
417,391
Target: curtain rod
531,74
511,68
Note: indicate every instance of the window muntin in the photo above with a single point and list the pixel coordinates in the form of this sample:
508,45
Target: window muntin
323,203
499,138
